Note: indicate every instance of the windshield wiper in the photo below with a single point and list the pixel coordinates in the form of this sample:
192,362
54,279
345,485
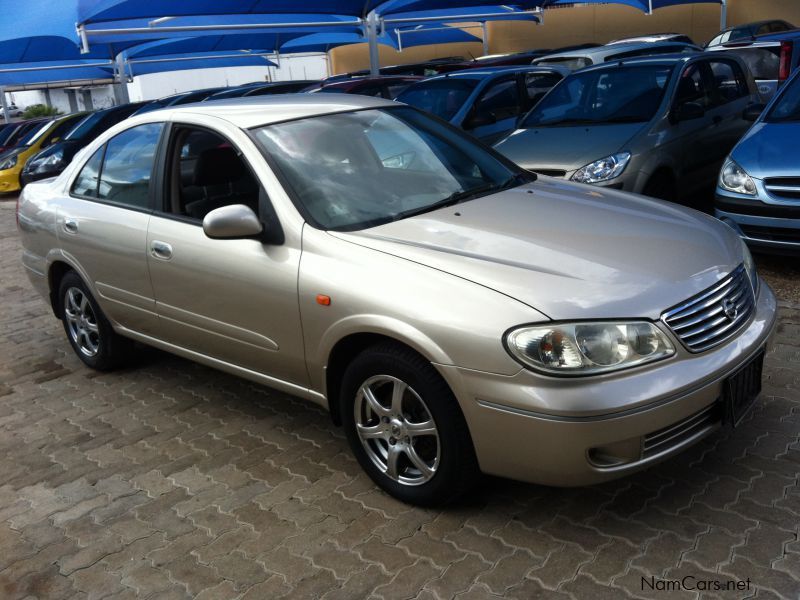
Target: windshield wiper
463,195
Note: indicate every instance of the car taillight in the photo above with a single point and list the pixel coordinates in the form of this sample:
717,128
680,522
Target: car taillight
787,49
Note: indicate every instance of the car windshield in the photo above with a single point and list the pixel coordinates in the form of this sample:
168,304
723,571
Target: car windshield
354,170
617,95
84,126
442,97
34,134
787,107
573,63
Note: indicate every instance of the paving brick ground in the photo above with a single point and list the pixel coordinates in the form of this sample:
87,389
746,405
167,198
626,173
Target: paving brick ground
171,480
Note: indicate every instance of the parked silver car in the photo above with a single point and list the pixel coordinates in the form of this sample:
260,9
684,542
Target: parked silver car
659,126
453,313
586,57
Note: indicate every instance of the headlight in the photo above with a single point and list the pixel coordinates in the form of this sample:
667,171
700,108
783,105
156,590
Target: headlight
44,164
735,179
8,163
750,267
588,348
603,169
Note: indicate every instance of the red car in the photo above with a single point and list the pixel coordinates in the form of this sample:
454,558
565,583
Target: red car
384,87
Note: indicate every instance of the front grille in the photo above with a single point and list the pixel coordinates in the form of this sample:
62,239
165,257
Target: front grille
550,172
783,187
771,234
713,316
677,433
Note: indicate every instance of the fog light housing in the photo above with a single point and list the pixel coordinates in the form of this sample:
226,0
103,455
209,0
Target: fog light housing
616,454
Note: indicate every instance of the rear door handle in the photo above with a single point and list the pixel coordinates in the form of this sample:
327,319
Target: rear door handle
160,250
70,225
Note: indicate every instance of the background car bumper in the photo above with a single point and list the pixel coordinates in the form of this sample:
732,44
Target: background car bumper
766,233
9,181
557,431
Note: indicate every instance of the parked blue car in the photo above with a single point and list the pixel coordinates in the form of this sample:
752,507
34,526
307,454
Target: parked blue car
758,192
484,102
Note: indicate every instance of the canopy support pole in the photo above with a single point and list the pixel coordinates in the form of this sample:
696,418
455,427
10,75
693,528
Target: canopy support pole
723,14
649,7
6,114
485,29
372,24
121,88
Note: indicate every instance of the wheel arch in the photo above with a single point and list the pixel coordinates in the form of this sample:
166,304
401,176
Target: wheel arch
351,344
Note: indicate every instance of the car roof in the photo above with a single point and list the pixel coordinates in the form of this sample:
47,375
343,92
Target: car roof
485,72
254,111
638,61
620,48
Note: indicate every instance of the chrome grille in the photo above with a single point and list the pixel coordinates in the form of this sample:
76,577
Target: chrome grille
677,433
713,316
783,187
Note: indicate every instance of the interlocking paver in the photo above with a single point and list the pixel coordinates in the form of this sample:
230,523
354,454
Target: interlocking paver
170,480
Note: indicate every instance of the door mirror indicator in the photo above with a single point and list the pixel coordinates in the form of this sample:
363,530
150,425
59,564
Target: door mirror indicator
232,222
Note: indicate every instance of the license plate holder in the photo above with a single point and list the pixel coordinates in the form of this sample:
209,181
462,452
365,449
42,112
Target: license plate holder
741,389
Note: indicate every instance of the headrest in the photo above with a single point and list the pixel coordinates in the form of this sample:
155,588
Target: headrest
217,166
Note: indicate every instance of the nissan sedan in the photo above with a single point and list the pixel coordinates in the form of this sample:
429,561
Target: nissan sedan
453,313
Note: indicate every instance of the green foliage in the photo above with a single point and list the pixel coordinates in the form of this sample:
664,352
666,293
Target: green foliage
40,110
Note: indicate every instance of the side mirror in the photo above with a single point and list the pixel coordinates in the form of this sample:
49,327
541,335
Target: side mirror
480,120
232,222
688,112
753,111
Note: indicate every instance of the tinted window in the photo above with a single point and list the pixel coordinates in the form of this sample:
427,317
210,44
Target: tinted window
34,134
61,129
359,169
441,97
86,182
617,95
128,166
393,90
764,63
729,82
500,101
538,84
98,122
573,63
693,87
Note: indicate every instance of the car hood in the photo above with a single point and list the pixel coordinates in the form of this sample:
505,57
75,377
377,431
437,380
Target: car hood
768,150
568,250
567,148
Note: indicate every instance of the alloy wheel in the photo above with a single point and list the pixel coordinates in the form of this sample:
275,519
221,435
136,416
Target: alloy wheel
81,321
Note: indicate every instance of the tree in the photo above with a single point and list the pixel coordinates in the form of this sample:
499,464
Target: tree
40,110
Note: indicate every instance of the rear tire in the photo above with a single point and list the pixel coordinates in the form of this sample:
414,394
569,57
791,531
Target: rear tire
88,331
405,427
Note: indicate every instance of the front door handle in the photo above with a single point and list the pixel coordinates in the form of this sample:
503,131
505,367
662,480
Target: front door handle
70,225
160,250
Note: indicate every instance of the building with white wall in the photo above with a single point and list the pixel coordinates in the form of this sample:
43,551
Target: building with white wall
157,85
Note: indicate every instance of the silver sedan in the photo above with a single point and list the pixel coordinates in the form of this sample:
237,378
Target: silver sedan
453,313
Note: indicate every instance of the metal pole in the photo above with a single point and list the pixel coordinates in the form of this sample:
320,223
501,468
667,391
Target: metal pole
485,29
6,114
649,7
121,89
372,24
723,14
89,33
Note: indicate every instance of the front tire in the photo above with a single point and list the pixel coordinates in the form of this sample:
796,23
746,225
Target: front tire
405,426
88,330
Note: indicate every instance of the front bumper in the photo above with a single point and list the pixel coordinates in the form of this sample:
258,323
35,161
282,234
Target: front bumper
766,227
555,431
9,181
